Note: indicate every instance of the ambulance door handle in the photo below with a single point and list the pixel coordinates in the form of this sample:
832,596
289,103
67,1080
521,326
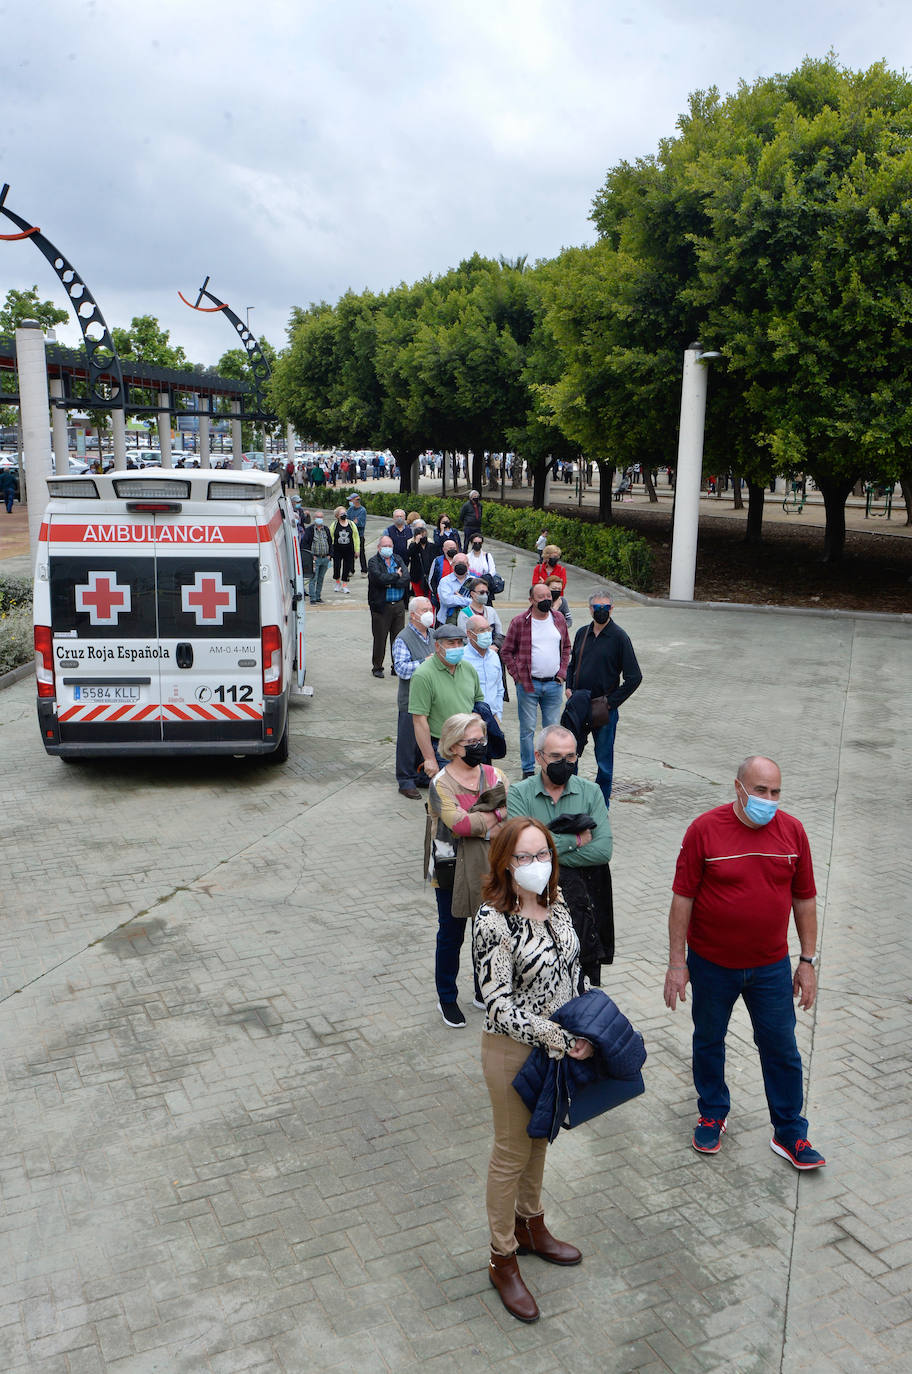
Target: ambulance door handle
184,655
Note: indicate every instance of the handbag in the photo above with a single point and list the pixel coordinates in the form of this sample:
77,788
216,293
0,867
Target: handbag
599,710
495,583
601,1095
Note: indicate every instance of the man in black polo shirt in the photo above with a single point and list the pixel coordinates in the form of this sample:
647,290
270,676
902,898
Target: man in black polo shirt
604,663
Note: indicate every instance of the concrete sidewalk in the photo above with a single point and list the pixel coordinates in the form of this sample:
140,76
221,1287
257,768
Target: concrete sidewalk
238,1136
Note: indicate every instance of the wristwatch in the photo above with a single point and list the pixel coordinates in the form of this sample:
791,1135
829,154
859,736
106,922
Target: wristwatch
812,960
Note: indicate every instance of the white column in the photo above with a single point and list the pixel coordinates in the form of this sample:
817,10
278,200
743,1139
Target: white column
687,479
290,443
34,403
119,433
546,497
59,426
164,428
203,412
236,449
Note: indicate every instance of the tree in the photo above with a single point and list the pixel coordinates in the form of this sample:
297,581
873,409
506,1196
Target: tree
25,305
146,342
803,271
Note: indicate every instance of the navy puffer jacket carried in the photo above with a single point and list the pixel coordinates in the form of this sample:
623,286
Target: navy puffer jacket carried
547,1085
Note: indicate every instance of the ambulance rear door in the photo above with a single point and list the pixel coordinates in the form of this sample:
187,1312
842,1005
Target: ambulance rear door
104,639
208,584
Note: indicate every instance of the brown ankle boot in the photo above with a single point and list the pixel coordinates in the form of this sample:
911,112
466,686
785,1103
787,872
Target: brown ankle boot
503,1271
534,1238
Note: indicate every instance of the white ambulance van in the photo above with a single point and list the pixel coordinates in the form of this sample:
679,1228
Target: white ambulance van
169,614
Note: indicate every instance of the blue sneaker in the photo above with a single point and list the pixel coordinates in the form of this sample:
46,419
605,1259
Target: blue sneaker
802,1154
707,1137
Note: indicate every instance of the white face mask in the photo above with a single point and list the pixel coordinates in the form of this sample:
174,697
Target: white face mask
533,877
427,619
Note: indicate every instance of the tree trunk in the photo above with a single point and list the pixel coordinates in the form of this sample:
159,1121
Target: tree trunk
478,457
736,488
834,492
647,483
905,486
606,482
755,498
539,473
517,478
405,462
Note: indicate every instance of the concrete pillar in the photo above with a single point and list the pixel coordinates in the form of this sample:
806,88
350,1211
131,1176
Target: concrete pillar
689,474
164,428
236,449
59,426
547,492
119,433
203,434
34,403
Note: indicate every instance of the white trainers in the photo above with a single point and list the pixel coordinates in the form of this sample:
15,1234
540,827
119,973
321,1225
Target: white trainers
345,588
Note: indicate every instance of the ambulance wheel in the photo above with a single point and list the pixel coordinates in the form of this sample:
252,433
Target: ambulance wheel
280,753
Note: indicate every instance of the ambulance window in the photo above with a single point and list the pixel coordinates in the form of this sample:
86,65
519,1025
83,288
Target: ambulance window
103,597
208,597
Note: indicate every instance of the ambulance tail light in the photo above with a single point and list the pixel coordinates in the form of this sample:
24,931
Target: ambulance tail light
272,661
44,661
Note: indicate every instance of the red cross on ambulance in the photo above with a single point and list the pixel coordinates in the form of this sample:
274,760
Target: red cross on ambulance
103,597
207,598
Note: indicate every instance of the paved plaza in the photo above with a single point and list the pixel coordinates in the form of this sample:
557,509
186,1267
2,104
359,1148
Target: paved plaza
237,1135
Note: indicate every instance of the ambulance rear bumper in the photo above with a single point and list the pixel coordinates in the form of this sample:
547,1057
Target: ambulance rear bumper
122,740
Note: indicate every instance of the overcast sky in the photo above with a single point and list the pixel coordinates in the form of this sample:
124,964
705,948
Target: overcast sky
292,149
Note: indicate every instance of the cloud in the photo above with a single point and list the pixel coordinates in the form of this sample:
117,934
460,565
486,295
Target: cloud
293,150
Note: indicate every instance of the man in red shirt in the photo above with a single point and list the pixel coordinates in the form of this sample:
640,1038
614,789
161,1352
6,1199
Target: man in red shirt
742,870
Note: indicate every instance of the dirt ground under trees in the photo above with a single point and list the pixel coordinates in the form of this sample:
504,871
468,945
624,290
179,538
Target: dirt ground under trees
786,568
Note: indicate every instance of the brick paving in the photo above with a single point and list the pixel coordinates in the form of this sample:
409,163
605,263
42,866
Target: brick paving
238,1136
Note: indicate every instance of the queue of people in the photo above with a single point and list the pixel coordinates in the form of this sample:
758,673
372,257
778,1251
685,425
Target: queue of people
524,866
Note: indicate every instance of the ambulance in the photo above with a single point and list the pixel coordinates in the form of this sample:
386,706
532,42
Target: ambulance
169,614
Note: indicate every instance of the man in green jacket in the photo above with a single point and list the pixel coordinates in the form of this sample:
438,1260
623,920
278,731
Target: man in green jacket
583,850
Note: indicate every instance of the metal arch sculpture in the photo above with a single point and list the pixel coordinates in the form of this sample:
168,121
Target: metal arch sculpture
101,355
259,367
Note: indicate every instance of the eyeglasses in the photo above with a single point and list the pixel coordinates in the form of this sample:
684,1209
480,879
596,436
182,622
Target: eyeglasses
521,860
559,758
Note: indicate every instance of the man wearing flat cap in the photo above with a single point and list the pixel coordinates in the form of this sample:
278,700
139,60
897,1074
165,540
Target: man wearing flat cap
441,687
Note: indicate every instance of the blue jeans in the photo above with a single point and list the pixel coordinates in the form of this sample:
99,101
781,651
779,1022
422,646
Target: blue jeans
603,743
450,935
549,696
315,585
767,993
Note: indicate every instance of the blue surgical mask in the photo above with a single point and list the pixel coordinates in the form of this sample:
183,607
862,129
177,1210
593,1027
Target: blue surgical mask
455,654
484,640
758,809
386,551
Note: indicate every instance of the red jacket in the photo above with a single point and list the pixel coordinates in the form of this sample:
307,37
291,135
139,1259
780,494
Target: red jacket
542,573
516,650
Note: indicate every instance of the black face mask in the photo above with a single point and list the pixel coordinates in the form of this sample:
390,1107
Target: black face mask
601,614
552,562
476,547
543,607
474,752
555,596
561,771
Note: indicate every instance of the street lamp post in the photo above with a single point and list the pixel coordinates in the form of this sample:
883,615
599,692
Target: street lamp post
689,473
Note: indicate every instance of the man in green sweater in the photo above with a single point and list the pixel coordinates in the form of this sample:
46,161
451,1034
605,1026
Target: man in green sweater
574,810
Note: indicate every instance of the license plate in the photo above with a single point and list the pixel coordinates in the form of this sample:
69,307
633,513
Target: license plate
106,693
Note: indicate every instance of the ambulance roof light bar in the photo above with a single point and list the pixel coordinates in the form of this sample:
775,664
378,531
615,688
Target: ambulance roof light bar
235,491
73,486
152,489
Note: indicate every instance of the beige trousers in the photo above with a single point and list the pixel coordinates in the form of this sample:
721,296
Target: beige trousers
517,1162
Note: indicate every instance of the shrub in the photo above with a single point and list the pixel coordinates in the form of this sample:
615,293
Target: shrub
616,554
16,646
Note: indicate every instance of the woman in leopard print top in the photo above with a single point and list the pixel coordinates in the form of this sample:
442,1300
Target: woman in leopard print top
526,955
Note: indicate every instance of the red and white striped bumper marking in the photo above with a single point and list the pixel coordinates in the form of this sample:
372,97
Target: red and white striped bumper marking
85,713
155,712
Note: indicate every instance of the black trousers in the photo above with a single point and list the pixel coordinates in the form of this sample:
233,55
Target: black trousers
386,624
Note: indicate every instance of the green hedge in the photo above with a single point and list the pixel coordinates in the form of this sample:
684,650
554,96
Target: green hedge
616,554
16,645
